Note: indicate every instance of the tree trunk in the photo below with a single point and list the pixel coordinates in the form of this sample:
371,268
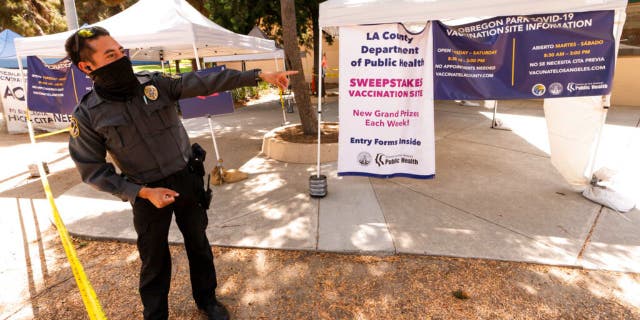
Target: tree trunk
307,113
177,66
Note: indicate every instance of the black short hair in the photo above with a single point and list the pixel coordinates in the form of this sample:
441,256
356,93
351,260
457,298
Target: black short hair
76,44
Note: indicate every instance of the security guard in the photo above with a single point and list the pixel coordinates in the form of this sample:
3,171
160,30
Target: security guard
136,121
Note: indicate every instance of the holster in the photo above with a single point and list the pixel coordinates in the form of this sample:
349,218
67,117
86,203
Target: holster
196,161
196,165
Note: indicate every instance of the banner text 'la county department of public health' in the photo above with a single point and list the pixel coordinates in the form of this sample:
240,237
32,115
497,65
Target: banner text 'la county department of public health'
386,102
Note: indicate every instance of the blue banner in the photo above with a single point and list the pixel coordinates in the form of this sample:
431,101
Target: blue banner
214,104
525,57
56,87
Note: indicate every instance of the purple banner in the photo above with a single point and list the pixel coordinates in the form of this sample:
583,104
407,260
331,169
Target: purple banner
525,57
56,87
214,104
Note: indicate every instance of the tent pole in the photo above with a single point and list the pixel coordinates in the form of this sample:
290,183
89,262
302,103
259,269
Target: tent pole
319,90
195,52
318,183
494,121
161,54
215,145
495,111
71,14
284,114
29,124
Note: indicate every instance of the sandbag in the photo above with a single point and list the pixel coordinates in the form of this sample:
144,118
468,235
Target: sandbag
611,189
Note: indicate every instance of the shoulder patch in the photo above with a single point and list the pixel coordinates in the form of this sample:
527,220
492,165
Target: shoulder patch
74,129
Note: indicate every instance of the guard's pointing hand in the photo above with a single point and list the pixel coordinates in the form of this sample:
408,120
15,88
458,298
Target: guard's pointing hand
278,78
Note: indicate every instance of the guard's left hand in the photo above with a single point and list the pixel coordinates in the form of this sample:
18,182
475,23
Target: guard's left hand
278,78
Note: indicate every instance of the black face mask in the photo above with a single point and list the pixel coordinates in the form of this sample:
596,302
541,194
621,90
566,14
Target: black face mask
115,81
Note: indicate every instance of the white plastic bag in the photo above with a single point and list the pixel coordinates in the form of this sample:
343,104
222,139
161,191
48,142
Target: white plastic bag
611,189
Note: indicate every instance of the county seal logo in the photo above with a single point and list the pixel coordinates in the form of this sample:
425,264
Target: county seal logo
364,158
538,89
555,88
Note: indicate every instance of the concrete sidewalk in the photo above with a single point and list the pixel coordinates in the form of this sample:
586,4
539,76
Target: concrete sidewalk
495,196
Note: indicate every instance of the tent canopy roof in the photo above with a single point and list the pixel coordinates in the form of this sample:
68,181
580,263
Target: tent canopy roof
152,26
255,32
336,13
7,49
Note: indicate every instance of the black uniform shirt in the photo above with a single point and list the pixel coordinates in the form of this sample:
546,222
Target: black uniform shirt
145,137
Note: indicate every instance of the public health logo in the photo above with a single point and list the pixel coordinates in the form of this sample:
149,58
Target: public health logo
384,160
538,89
364,158
555,88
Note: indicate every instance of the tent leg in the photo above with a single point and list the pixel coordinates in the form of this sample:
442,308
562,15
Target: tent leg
495,122
32,137
284,114
318,183
215,145
218,167
319,90
195,53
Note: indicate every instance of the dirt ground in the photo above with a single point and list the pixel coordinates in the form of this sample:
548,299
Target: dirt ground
328,134
271,284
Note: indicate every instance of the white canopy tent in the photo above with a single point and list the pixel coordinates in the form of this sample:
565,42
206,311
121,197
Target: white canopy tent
150,27
276,54
573,146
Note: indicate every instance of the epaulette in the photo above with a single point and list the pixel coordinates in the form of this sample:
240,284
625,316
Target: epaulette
90,100
144,76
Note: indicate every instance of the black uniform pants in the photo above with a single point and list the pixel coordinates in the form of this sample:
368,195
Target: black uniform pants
152,227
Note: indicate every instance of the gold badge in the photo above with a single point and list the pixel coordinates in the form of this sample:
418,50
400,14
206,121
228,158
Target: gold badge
151,92
74,129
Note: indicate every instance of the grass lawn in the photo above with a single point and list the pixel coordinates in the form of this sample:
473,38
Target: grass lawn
185,66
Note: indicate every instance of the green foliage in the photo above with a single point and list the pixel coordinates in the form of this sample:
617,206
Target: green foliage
241,15
92,11
32,17
40,17
244,94
185,66
264,86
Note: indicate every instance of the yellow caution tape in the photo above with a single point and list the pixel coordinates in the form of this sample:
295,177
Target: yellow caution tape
89,297
52,133
281,99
